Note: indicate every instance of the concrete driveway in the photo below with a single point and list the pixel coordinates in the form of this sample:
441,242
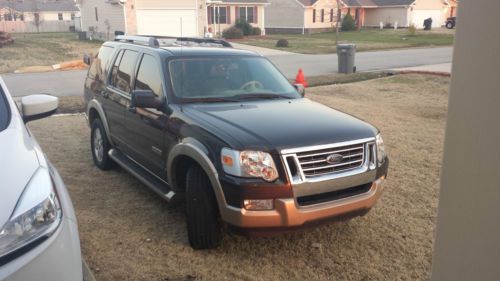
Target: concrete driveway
70,83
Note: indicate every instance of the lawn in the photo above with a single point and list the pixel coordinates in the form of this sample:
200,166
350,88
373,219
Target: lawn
42,49
128,233
366,40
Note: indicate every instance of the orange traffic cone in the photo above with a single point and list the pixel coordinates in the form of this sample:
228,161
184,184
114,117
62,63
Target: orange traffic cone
300,79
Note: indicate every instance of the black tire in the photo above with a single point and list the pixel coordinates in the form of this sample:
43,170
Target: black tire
203,223
450,25
103,162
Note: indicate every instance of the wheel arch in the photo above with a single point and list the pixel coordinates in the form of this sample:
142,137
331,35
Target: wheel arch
188,152
95,110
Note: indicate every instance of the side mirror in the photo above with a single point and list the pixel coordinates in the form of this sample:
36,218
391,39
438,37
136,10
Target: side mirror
145,99
300,89
86,59
38,106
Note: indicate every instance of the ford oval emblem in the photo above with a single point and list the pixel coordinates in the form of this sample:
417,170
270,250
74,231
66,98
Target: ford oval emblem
334,158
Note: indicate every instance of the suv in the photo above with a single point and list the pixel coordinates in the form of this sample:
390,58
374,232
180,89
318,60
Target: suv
225,132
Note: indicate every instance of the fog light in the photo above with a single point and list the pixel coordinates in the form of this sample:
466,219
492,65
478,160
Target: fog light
267,204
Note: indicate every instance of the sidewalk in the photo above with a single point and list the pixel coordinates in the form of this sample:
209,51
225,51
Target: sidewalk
263,51
443,68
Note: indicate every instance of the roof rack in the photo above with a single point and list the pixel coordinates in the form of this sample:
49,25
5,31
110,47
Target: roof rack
140,40
159,41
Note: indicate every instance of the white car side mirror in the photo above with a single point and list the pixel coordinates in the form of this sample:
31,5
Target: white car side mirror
38,106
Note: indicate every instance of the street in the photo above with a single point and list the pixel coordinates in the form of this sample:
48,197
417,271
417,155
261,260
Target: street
70,83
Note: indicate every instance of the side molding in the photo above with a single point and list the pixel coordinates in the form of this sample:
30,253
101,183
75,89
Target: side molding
195,150
94,104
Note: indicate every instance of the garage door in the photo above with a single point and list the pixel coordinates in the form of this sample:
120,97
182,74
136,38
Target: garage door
167,22
419,16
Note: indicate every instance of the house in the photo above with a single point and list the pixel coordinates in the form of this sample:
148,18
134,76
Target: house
370,13
37,15
223,14
300,16
188,18
451,11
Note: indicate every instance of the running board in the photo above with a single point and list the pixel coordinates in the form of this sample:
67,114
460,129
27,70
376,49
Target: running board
155,184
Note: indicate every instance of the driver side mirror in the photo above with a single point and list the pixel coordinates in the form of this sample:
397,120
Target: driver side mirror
145,99
300,89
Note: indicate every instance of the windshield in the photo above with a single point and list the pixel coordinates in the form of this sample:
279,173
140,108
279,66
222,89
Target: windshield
228,79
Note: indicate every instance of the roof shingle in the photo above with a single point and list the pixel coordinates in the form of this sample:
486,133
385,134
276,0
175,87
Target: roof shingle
40,6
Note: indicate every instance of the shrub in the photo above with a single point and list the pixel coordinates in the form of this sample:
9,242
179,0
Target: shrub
245,26
282,43
232,33
348,23
256,31
412,30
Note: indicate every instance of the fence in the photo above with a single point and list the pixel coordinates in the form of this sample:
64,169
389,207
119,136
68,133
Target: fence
29,26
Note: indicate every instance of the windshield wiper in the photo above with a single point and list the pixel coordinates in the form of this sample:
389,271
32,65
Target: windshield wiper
209,100
262,96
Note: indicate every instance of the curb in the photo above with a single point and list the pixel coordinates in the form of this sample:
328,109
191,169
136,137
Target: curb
87,273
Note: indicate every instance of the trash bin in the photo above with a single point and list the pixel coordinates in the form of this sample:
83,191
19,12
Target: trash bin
82,35
428,24
346,54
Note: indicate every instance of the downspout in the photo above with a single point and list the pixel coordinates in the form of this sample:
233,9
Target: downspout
124,14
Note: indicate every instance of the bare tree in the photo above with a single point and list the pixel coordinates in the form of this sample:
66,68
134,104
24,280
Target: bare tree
37,21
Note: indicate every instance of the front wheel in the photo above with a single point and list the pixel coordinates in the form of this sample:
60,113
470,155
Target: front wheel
100,146
203,223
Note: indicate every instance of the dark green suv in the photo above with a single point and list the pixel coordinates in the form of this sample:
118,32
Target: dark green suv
223,131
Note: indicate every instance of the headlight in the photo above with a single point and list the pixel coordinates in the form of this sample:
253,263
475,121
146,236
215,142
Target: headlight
37,214
381,154
255,164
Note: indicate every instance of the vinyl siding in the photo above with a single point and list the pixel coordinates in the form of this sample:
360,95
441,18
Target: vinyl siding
320,5
374,16
110,19
166,4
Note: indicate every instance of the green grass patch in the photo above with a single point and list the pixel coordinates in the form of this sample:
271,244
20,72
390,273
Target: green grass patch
366,40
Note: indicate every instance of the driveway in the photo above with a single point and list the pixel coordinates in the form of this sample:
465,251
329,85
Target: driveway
70,83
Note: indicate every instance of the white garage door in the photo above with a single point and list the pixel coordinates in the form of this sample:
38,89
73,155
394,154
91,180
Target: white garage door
419,16
167,22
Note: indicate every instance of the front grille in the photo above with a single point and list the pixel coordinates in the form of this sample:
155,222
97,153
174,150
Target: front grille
314,163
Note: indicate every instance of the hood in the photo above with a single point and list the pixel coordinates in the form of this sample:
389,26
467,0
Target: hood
18,163
278,124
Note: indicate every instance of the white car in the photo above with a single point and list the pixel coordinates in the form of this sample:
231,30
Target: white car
38,230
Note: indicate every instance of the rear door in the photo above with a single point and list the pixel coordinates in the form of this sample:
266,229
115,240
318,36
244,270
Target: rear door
117,95
146,126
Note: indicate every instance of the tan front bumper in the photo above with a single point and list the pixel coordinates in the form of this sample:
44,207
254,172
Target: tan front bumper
287,214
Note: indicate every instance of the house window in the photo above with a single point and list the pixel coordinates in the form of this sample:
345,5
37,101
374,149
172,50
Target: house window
72,16
96,16
21,17
314,15
60,16
322,15
331,15
247,14
217,15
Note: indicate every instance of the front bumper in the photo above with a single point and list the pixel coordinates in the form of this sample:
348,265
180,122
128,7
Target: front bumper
287,215
56,258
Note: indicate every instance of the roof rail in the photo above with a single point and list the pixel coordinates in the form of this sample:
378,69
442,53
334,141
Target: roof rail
142,40
157,41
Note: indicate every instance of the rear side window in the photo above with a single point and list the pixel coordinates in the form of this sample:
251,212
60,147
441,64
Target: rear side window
4,112
149,76
98,68
125,70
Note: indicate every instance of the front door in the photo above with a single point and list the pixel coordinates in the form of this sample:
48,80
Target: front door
146,126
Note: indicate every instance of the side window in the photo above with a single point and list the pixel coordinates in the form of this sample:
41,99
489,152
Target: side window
125,70
149,76
114,70
98,67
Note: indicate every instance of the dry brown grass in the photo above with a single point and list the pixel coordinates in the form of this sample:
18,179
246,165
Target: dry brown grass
118,215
